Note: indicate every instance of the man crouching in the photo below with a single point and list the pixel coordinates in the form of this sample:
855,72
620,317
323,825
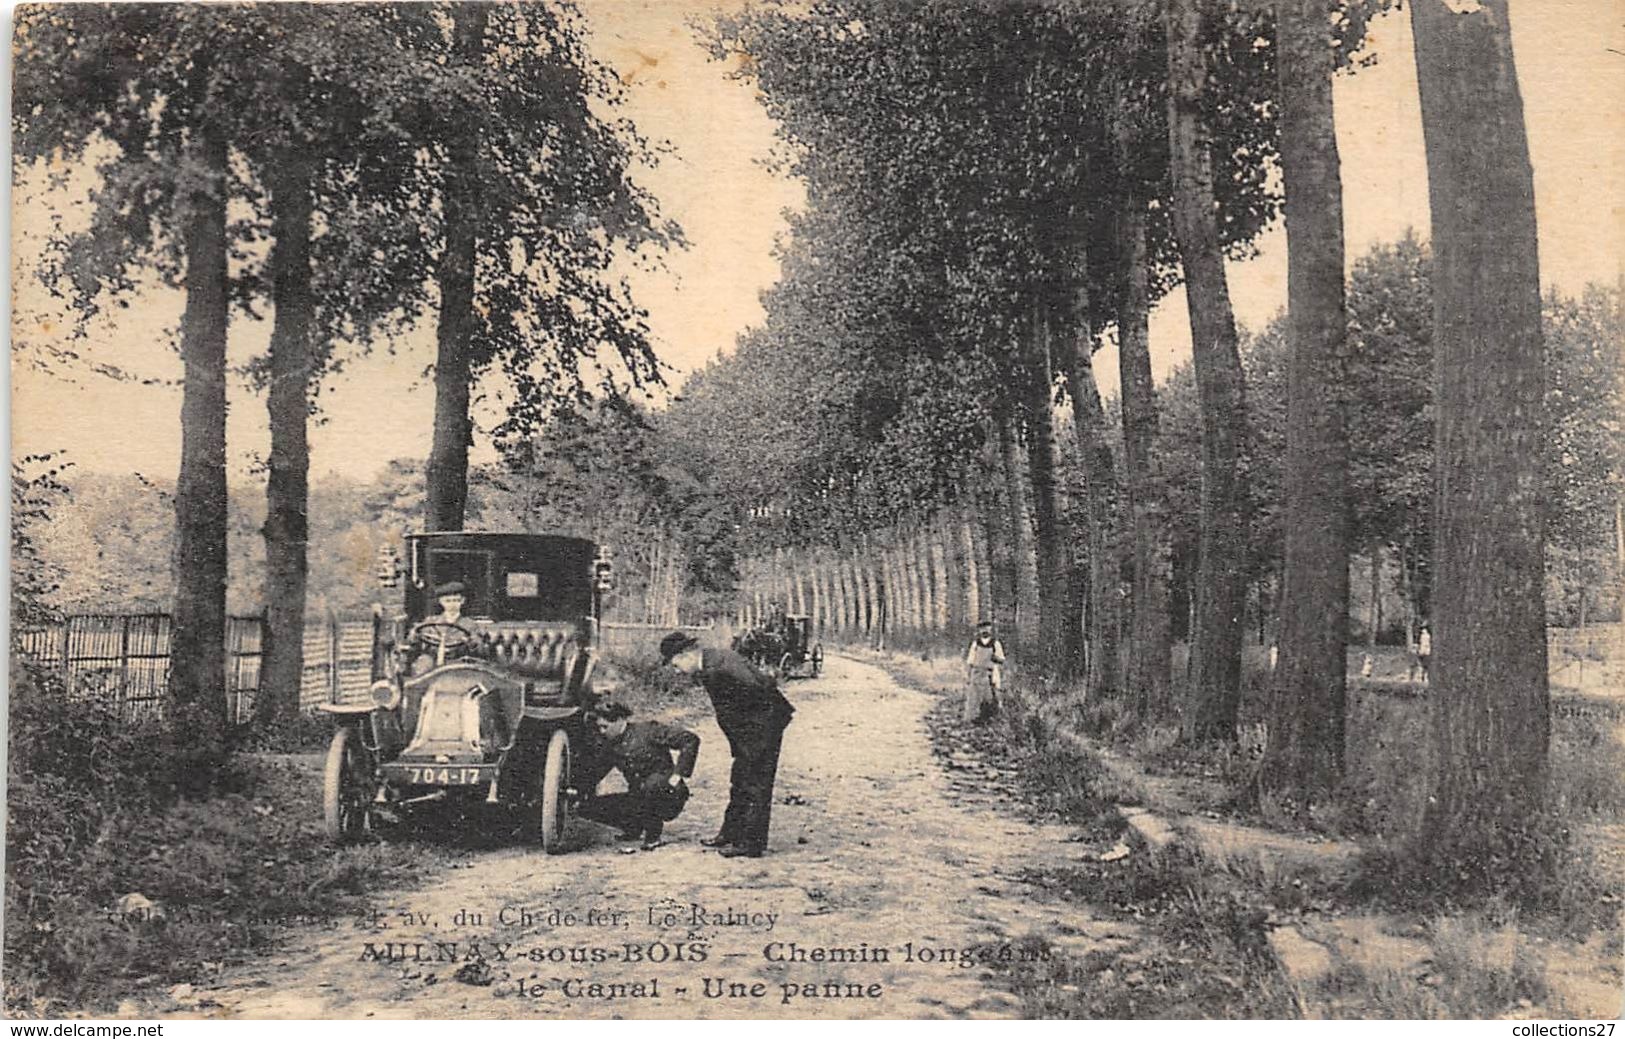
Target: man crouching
655,787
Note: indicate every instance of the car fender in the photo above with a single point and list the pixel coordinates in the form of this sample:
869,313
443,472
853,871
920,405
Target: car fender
351,710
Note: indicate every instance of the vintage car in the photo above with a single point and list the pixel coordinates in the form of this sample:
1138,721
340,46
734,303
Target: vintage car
800,656
485,707
763,646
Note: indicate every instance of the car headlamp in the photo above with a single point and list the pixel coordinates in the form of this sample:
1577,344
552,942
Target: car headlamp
385,695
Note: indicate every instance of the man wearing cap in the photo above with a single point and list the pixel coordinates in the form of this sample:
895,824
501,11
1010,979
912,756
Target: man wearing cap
451,596
436,635
656,788
753,714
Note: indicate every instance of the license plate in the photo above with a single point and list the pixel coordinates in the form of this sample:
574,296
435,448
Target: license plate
442,775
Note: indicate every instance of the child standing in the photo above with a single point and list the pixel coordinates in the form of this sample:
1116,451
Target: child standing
984,674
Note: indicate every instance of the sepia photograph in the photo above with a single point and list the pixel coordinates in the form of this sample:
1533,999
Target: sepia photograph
994,510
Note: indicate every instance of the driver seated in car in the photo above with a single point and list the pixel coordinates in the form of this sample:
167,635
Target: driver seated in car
436,638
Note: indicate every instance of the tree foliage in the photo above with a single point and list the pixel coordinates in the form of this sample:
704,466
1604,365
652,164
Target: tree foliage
955,157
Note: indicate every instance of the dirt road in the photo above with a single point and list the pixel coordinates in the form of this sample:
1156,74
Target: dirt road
889,877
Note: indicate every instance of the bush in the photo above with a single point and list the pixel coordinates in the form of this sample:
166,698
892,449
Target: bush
1587,759
71,770
648,688
305,732
95,816
74,772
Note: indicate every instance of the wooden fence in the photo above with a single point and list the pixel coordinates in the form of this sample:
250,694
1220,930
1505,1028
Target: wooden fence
124,658
338,661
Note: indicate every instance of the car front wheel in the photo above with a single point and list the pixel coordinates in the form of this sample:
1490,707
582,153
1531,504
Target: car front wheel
555,792
347,788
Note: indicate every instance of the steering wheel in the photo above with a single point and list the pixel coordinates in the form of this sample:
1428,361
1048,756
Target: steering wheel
442,636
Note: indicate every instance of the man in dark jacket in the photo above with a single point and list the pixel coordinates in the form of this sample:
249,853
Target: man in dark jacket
655,787
753,714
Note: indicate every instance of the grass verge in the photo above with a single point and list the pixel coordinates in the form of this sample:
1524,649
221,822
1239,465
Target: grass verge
1200,947
114,884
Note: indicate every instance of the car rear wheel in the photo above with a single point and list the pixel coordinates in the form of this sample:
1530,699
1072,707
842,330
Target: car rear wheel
555,792
346,788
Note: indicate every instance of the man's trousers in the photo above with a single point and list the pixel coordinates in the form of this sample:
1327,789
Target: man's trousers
750,786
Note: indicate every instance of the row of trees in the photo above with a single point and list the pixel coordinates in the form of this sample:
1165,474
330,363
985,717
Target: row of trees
1388,384
358,170
995,192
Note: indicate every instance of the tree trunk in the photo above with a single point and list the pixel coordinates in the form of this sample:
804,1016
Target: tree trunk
1058,641
1023,559
942,588
865,590
1490,706
1216,648
447,477
908,586
843,592
921,558
903,599
844,595
995,540
1407,593
1304,751
287,488
819,598
1150,658
197,675
840,593
925,604
1374,614
781,559
1100,487
885,598
975,610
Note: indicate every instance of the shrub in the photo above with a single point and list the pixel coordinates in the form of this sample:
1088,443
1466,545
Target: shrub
94,815
305,732
1587,759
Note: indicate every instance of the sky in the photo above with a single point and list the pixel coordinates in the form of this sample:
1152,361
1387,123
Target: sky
718,184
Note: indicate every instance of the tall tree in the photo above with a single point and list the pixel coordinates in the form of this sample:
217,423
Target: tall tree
1489,699
1130,118
1220,581
197,668
1099,486
1304,751
539,208
287,489
1052,536
454,349
1150,653
327,143
162,86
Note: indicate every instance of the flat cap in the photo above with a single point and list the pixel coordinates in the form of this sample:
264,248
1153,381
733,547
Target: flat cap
675,643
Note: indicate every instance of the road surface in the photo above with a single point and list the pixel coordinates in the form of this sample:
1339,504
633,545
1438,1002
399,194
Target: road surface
890,880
